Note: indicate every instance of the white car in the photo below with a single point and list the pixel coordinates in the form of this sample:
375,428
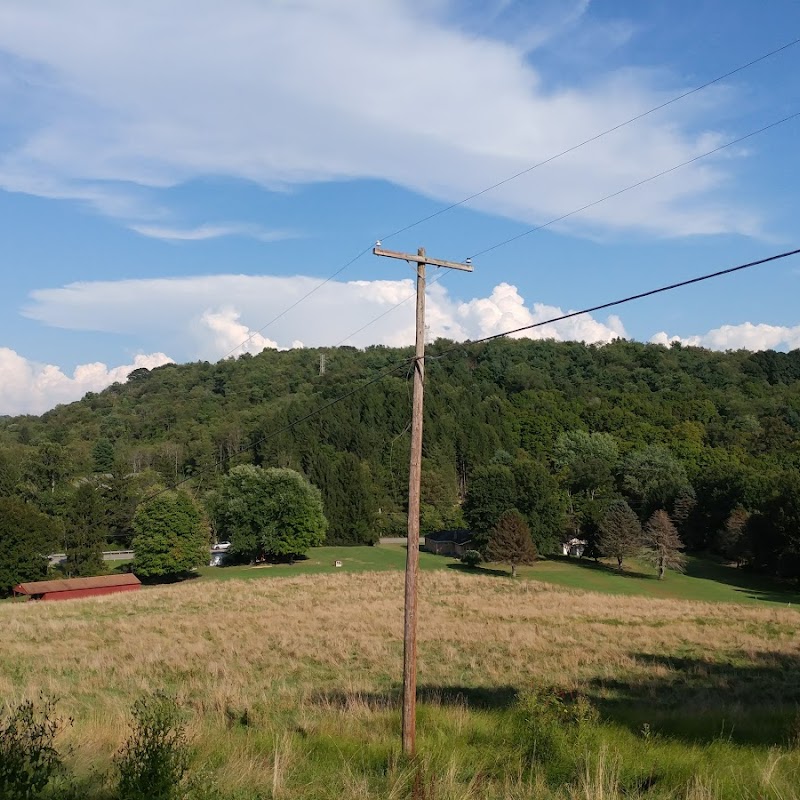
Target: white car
221,547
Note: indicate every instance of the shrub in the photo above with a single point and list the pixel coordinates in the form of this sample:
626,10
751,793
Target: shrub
556,728
153,762
28,756
471,558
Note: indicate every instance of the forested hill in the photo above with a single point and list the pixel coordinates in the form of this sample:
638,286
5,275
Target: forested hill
580,424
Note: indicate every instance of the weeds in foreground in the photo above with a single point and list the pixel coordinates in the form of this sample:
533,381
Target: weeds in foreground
154,761
29,760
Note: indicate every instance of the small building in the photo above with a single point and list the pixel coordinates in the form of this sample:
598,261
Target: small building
73,588
448,543
573,547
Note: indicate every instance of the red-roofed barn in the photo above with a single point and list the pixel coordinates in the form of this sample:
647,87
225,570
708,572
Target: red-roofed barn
73,588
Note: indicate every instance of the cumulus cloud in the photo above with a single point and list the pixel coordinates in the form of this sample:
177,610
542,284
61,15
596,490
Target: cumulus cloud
745,336
28,387
505,310
186,316
129,98
230,335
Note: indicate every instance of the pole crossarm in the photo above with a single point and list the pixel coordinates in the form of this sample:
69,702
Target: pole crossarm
422,259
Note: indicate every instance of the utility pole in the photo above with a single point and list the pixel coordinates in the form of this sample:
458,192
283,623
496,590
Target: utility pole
420,261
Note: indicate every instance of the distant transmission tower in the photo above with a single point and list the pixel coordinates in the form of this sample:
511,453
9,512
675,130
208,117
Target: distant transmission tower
322,363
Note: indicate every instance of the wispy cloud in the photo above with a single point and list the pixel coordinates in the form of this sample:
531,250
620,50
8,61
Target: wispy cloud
212,231
210,99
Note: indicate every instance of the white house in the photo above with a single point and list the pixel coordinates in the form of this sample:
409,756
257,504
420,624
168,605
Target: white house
573,547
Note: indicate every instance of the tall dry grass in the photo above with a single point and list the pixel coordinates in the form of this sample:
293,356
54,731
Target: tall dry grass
260,662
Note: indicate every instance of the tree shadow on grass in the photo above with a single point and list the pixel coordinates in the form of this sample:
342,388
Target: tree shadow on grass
750,584
459,567
474,697
692,698
599,566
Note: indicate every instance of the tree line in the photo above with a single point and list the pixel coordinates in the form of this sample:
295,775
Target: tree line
561,432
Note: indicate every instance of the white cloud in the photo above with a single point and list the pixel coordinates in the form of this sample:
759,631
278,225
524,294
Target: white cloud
505,310
745,336
211,231
230,335
28,387
187,317
141,96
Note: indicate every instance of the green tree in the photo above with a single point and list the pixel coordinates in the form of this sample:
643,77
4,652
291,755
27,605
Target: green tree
587,461
652,479
26,538
103,456
662,544
620,533
510,542
272,513
85,532
490,494
538,498
171,536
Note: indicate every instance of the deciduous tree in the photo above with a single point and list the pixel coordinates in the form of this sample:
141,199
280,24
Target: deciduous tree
171,536
270,512
662,544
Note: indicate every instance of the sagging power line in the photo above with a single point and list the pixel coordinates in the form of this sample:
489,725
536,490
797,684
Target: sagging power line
404,363
509,179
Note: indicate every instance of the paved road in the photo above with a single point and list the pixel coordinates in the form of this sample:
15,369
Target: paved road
108,555
126,555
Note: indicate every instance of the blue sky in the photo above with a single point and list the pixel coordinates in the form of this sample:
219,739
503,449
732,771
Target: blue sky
173,175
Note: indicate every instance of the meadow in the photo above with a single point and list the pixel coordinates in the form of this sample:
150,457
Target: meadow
529,689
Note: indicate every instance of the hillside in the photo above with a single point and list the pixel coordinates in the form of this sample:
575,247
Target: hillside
726,426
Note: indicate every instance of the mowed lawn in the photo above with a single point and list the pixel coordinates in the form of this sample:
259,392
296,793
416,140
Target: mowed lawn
704,580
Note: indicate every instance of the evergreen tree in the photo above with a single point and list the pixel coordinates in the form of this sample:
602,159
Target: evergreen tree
510,542
26,538
538,498
662,544
620,533
103,456
85,532
171,536
490,494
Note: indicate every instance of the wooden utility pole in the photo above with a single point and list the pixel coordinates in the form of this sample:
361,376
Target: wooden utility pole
420,260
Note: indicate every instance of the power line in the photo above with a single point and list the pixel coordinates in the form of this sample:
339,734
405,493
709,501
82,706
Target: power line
379,377
637,184
593,138
621,301
400,364
588,206
308,294
519,174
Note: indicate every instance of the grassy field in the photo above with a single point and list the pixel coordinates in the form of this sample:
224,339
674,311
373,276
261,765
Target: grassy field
704,580
290,685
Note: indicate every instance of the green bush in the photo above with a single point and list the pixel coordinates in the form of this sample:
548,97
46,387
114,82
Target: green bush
471,558
153,762
557,730
28,756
